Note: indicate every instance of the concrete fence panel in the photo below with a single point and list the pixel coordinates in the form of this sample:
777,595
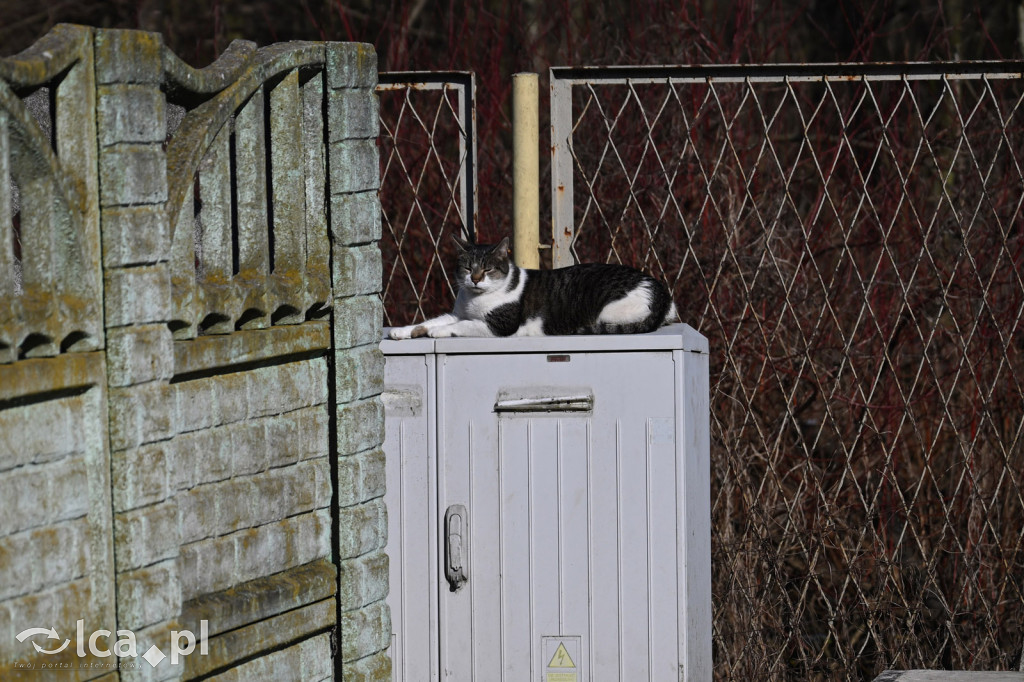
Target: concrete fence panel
190,420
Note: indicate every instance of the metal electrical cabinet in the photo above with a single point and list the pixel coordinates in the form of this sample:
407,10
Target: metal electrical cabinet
549,508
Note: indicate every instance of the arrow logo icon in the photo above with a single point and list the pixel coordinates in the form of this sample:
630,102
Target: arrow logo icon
50,634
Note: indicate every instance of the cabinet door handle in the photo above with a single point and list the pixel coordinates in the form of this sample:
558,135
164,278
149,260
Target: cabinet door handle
456,546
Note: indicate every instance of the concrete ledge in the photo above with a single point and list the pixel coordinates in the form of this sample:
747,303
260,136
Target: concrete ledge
25,378
266,635
262,598
241,347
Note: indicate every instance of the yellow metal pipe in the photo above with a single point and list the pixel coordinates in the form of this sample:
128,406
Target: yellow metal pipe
525,171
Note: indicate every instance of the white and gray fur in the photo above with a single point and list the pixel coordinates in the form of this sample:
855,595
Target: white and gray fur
498,298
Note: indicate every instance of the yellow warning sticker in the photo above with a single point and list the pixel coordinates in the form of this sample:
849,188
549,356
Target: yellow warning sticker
561,660
565,659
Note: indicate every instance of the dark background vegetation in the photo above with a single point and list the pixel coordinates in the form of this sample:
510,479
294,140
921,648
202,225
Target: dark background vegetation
496,38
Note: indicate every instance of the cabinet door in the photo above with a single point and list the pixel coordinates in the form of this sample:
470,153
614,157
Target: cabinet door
411,467
570,529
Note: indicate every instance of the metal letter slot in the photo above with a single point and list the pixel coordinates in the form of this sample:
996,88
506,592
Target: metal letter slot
456,546
558,402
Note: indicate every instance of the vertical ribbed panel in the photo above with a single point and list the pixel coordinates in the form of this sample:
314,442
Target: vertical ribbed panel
287,191
40,213
412,510
318,252
544,522
251,209
75,137
514,548
183,271
573,532
215,239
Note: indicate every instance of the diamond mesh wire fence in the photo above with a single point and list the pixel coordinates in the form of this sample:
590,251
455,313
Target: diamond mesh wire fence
428,187
850,239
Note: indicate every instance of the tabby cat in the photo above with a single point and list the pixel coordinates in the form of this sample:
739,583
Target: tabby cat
498,298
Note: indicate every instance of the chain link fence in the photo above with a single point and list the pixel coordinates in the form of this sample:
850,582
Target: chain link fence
850,238
428,187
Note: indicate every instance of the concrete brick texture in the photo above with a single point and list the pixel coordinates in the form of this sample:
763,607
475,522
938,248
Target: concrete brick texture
149,595
362,528
133,173
167,483
147,535
43,494
360,477
54,508
364,580
140,415
358,320
359,373
40,432
358,270
308,660
375,668
360,425
222,507
139,354
137,295
282,388
365,631
218,563
44,557
141,476
360,159
130,113
128,57
351,65
355,114
355,218
135,235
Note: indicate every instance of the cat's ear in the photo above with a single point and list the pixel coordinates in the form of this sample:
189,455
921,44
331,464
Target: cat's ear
501,248
461,243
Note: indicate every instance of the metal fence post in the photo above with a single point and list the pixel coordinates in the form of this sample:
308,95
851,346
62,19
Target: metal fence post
467,151
561,173
525,171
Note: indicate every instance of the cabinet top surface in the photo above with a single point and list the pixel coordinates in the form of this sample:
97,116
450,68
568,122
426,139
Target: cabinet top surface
671,337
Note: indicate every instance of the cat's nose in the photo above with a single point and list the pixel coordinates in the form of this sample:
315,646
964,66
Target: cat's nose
476,277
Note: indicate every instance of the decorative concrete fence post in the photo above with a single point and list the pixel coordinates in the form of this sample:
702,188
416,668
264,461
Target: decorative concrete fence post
133,193
359,365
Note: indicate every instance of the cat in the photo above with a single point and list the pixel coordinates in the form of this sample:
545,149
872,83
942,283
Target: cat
498,298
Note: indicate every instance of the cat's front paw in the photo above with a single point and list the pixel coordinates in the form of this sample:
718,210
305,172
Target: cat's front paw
411,332
441,332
